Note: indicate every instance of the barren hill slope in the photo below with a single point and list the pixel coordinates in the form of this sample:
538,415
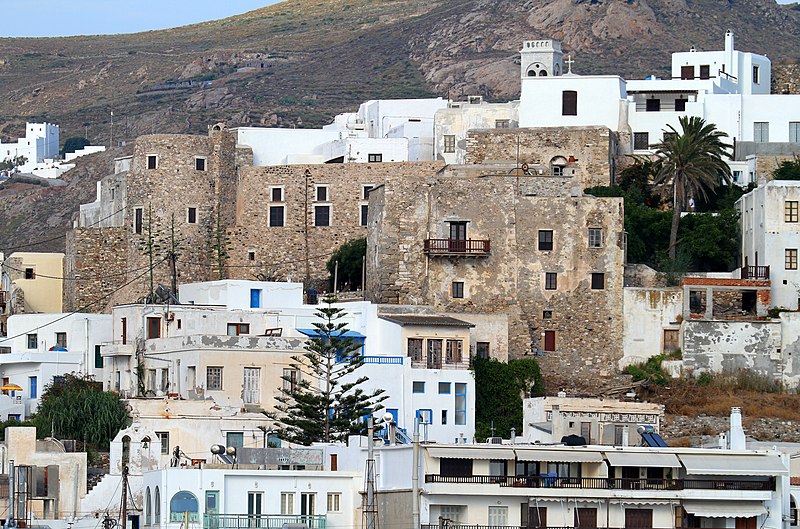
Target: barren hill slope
299,62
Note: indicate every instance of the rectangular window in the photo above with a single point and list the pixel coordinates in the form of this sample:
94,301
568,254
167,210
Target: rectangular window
374,158
276,216
191,215
415,349
98,358
791,258
425,416
434,354
680,104
334,501
794,131
152,161
705,71
641,140
761,131
687,72
214,378
791,211
234,439
238,329
457,289
618,435
482,349
255,298
322,215
444,388
545,240
569,103
653,105
200,164
755,74
586,432
276,194
138,220
449,143
547,314
454,351
595,237
418,387
153,328
461,403
33,342
444,417
30,273
287,503
163,438
550,280
365,189
502,123
322,194
671,340
290,379
33,385
251,255
61,339
364,214
498,516
598,281
454,467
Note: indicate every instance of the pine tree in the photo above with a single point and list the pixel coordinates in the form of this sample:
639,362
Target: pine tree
319,404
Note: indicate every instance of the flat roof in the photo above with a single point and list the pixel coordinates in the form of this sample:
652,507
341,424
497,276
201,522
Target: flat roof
423,319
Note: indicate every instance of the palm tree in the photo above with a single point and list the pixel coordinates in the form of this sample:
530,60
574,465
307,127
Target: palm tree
694,161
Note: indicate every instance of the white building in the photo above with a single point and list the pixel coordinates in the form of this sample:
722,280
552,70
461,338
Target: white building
770,222
40,142
398,130
420,360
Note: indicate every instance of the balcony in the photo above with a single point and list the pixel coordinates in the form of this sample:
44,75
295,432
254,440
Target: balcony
260,521
755,272
457,247
607,483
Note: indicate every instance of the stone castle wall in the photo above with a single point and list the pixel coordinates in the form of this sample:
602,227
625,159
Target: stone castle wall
95,265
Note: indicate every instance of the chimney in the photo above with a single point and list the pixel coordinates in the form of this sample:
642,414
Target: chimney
729,51
736,436
625,435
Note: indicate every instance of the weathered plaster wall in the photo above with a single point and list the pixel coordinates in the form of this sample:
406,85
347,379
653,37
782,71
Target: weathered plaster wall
648,312
727,346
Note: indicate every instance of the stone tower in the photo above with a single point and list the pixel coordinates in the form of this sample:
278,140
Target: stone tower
541,58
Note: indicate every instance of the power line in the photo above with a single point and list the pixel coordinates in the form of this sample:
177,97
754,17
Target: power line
60,236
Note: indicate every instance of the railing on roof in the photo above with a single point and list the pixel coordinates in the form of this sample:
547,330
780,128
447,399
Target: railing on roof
545,482
457,247
755,272
391,360
260,521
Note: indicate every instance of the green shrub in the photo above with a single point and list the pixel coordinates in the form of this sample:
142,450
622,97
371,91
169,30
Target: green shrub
705,378
649,370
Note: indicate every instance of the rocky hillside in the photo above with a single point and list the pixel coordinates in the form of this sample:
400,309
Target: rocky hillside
300,62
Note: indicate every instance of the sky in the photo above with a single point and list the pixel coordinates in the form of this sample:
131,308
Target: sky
56,18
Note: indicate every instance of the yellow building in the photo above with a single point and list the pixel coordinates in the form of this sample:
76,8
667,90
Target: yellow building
38,276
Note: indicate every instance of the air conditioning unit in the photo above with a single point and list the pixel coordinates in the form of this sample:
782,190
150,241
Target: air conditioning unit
495,440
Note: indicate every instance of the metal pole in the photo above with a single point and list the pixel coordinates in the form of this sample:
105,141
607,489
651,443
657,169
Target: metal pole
370,474
364,276
336,278
415,478
12,500
124,511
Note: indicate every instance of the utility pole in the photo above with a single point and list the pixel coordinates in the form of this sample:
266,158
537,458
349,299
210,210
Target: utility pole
111,140
415,478
124,508
370,508
306,213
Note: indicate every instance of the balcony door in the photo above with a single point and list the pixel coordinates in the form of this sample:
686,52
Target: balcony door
537,517
585,518
458,237
640,519
434,354
252,385
746,523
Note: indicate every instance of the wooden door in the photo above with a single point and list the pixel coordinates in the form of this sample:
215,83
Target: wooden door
549,340
687,72
586,518
252,385
670,340
639,519
746,523
537,517
458,236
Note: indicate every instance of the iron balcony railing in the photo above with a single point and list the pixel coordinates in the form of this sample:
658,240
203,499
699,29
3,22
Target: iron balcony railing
474,247
755,272
606,483
260,521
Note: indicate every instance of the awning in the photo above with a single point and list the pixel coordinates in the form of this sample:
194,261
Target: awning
721,464
725,509
471,453
559,456
315,333
640,459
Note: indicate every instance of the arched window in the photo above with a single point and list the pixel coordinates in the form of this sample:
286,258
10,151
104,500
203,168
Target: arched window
531,73
543,73
157,508
557,165
148,507
181,503
126,450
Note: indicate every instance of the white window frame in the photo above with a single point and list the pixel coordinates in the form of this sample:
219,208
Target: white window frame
196,211
794,131
283,194
334,502
205,163
761,127
327,188
269,214
594,241
330,213
147,162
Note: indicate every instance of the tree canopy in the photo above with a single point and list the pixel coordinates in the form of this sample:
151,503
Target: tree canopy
78,408
350,258
321,400
499,390
787,170
692,161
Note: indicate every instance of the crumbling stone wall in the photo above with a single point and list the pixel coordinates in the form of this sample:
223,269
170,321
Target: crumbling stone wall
588,322
590,151
96,264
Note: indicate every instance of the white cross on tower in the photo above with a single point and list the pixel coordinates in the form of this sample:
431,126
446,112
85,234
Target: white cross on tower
569,62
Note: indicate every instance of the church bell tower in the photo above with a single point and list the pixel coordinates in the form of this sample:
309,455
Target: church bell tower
541,58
